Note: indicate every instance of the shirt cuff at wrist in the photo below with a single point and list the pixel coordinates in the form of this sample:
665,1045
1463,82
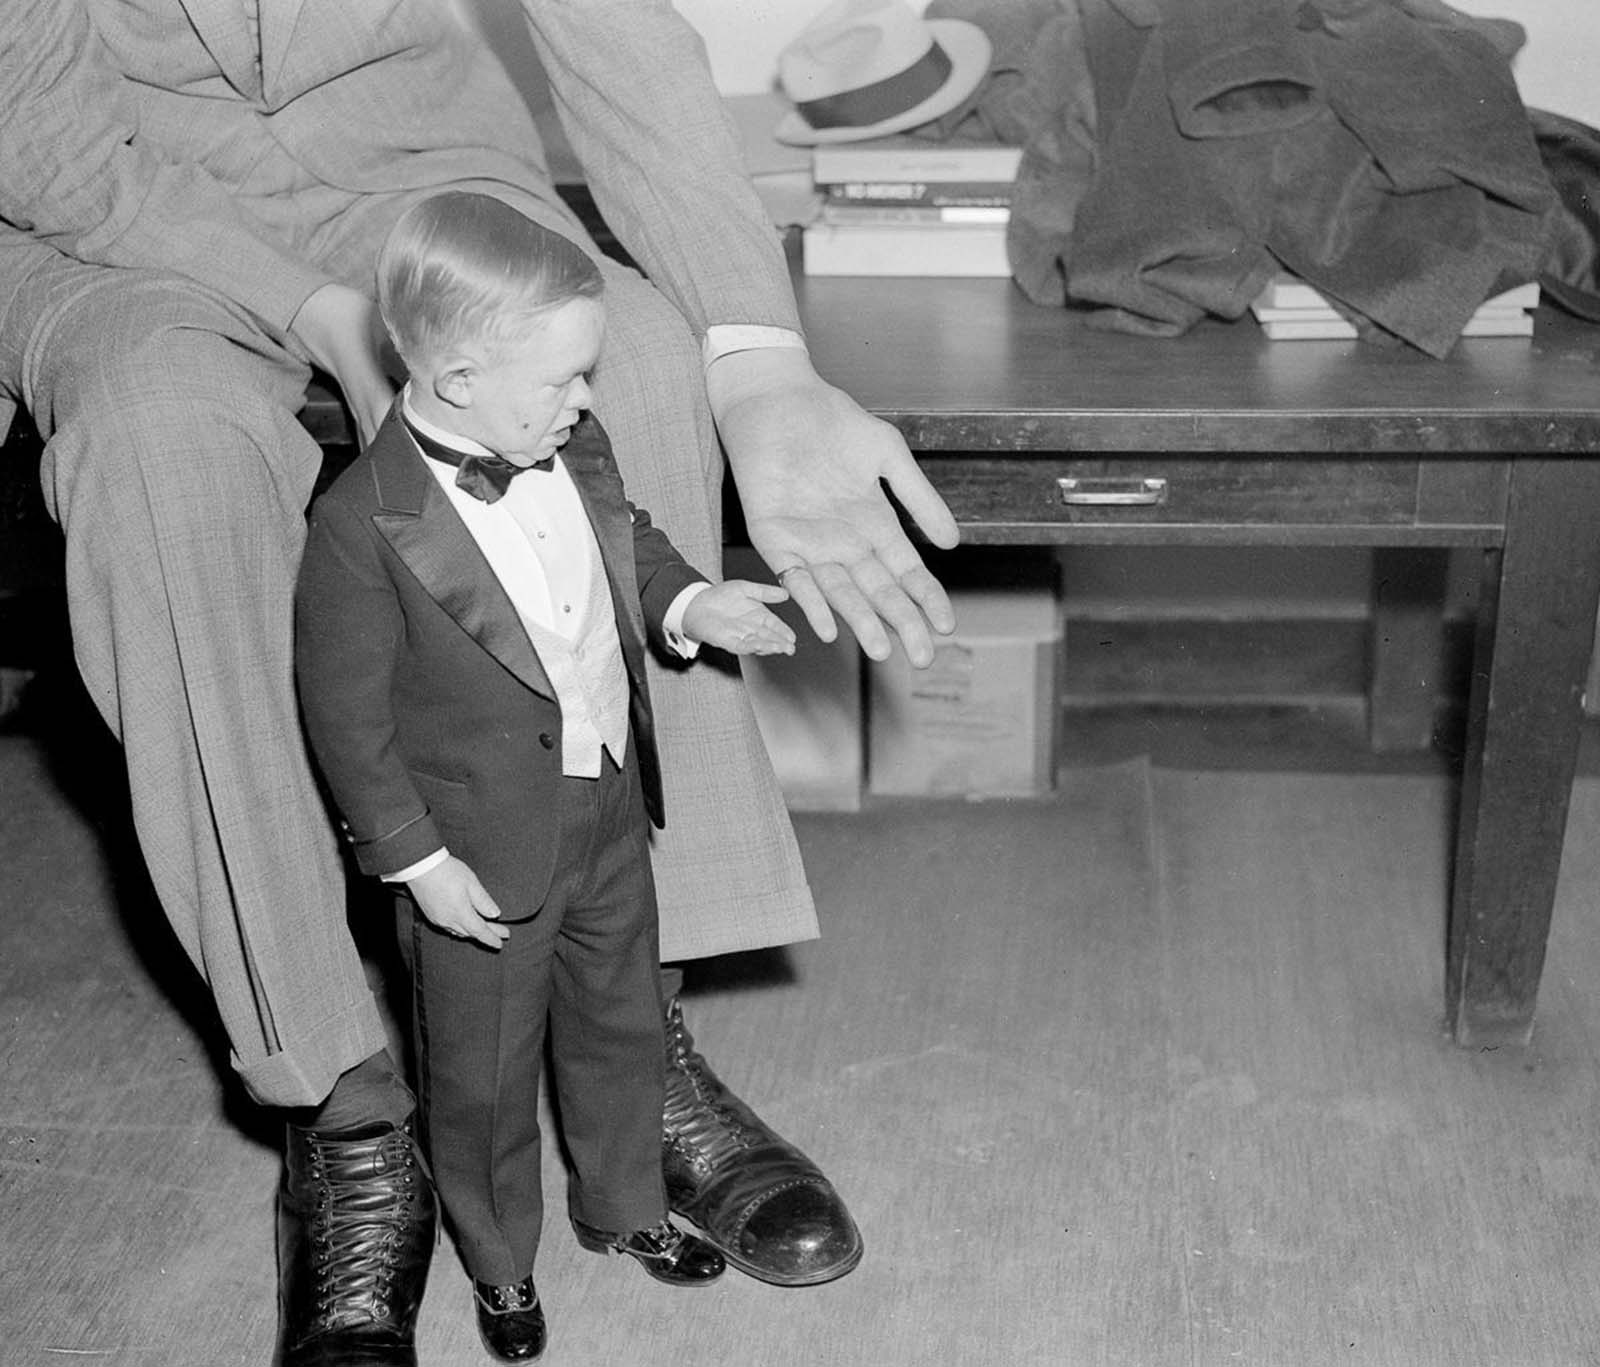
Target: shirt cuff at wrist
672,622
723,339
431,861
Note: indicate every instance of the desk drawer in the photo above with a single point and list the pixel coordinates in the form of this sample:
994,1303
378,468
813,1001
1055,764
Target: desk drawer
1167,489
1067,497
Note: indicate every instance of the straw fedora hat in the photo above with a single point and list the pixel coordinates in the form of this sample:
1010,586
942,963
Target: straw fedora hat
865,68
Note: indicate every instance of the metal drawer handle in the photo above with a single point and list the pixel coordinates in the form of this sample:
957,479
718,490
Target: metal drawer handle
1131,492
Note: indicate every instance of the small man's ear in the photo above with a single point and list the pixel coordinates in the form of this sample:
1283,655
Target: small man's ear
454,381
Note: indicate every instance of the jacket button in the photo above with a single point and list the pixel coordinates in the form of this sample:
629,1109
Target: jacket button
547,740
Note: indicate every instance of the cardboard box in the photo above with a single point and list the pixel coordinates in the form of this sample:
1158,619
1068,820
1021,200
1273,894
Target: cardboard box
808,707
981,720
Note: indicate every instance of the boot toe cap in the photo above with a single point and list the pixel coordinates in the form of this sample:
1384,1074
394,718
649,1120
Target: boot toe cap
798,1235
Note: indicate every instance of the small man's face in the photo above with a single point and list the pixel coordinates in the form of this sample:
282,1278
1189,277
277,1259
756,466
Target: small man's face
526,402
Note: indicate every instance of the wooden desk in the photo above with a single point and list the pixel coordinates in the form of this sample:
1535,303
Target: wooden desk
1223,438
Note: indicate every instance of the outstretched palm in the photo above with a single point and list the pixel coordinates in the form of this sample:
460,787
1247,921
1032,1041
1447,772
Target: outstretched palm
812,468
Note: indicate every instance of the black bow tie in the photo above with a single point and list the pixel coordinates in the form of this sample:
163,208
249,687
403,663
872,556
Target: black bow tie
484,477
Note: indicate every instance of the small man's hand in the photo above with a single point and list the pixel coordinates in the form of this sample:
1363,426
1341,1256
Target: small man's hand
453,899
733,616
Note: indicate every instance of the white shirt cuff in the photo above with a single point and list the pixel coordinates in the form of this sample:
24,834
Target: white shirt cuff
672,623
723,339
431,861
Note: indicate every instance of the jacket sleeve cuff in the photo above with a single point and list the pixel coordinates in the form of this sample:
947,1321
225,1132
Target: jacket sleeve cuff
399,849
661,593
672,621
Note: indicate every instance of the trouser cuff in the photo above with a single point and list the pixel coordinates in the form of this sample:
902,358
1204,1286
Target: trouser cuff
304,1072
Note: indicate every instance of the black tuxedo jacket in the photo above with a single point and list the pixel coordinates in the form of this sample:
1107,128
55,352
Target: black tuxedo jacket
426,705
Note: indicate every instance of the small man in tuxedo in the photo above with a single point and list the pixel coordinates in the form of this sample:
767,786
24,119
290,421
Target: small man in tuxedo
471,626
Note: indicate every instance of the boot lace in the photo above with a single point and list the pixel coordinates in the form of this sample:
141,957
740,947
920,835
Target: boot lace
356,1234
703,1126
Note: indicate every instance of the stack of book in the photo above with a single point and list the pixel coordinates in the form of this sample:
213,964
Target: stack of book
1289,310
906,206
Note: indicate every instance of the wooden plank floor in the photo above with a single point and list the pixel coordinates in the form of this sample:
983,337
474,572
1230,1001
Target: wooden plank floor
1147,1074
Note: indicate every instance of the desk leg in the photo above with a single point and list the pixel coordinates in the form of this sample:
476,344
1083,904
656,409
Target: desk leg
1535,630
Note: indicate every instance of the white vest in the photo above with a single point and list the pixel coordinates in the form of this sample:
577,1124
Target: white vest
590,679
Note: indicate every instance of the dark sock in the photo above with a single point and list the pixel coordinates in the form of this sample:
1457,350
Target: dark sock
372,1092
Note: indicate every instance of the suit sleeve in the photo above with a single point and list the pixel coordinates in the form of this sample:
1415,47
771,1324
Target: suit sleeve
75,174
348,629
663,573
633,89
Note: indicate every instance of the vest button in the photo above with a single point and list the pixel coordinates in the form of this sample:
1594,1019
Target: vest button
547,740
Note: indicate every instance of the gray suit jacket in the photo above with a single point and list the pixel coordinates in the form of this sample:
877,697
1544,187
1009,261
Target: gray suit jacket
168,133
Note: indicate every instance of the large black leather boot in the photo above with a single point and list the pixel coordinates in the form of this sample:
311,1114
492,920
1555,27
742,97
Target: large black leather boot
754,1196
356,1220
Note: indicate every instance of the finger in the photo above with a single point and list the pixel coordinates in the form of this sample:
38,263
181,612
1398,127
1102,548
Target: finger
907,624
917,582
812,602
487,933
773,639
903,616
477,918
764,593
895,608
929,595
765,619
466,924
921,501
907,596
844,596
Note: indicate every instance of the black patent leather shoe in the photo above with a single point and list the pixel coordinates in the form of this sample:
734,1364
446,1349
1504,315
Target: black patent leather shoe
510,1320
664,1251
753,1195
356,1220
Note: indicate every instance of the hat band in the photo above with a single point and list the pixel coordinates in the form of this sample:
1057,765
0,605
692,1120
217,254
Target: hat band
870,104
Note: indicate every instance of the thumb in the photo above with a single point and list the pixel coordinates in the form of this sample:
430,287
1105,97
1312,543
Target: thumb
923,503
482,903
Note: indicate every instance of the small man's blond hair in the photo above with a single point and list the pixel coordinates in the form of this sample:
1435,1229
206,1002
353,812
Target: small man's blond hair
462,270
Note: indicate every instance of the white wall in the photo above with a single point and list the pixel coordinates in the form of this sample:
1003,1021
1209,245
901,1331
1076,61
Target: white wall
1557,70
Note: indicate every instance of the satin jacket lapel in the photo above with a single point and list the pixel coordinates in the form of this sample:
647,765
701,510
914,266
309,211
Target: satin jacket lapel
224,30
416,518
587,456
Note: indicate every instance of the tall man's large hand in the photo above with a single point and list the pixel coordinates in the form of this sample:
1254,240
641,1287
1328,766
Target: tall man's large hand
340,328
808,461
